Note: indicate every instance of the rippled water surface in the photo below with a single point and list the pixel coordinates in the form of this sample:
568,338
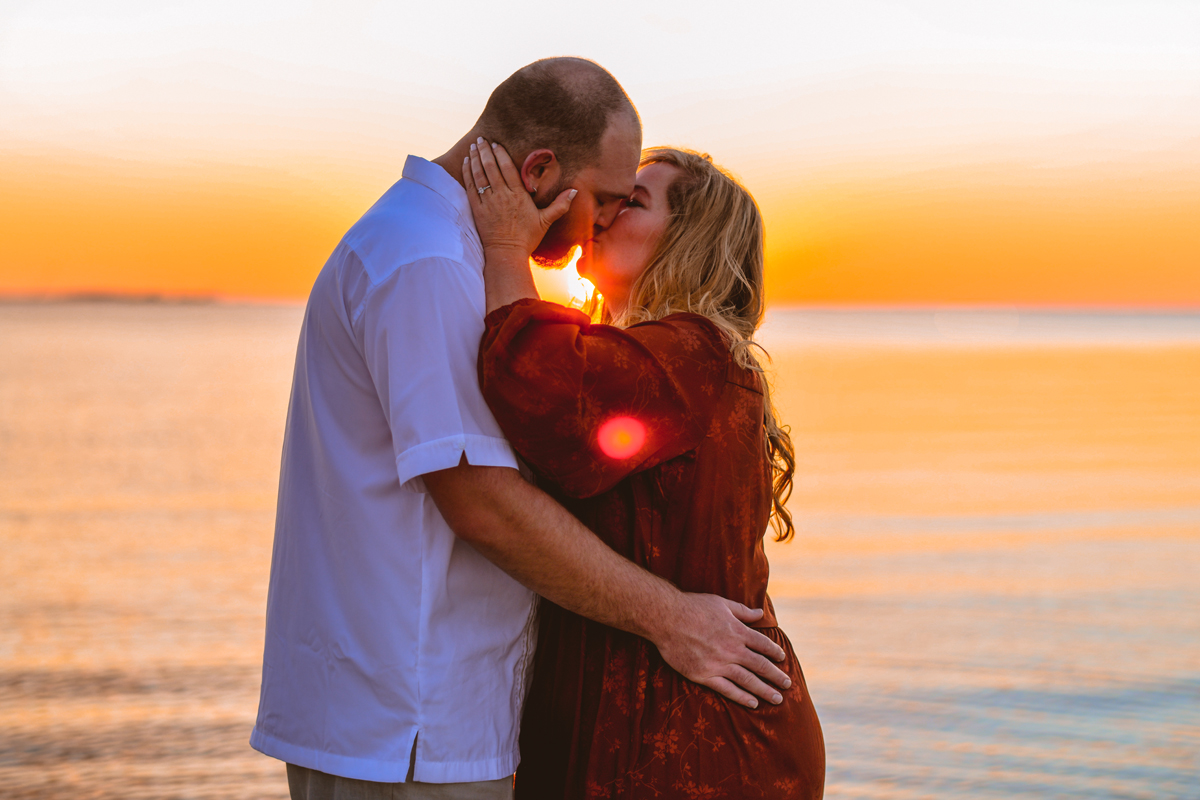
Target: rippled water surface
993,590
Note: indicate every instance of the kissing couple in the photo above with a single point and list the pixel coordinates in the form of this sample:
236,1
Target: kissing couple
513,537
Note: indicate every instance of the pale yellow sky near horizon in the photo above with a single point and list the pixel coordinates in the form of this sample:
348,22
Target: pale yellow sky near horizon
903,152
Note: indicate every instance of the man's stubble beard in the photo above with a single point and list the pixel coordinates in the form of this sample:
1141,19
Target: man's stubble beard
557,254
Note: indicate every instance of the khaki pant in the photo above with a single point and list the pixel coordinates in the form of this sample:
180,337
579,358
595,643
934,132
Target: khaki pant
308,784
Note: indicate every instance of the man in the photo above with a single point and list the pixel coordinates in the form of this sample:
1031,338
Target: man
408,548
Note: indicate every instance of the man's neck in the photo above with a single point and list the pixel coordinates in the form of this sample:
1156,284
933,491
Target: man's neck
452,159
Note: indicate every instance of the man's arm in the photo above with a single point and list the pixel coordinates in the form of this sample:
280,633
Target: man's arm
527,534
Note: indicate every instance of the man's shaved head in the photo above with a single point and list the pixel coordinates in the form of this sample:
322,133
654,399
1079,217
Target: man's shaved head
562,104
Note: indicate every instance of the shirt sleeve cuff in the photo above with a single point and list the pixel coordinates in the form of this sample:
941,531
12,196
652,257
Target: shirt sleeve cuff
481,451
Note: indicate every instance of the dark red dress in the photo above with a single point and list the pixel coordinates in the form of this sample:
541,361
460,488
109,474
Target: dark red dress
605,716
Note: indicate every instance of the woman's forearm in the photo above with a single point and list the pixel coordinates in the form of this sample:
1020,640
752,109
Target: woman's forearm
507,278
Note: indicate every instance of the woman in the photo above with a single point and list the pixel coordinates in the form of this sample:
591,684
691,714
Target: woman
657,431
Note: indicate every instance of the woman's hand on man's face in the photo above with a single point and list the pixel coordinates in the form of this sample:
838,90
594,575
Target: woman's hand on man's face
508,222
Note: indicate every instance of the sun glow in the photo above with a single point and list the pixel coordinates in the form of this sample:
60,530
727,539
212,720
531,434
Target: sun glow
564,285
579,287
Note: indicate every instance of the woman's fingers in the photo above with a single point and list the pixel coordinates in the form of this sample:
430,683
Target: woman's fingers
508,169
490,168
469,183
556,209
477,171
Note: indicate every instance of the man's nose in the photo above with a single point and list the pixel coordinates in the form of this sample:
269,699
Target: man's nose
606,213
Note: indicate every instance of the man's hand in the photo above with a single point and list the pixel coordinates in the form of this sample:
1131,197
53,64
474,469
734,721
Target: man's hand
706,640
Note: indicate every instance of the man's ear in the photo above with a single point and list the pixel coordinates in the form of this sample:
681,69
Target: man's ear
539,171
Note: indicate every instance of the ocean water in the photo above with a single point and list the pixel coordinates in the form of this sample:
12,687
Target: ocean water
993,588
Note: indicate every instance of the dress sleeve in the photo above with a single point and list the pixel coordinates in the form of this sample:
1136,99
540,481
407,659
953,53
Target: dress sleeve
586,405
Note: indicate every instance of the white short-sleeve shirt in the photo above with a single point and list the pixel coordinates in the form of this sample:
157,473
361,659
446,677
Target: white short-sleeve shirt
384,628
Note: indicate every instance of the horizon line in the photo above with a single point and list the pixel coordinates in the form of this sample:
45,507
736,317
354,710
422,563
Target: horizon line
171,298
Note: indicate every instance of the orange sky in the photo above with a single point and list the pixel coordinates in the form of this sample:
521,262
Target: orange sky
915,156
971,235
950,236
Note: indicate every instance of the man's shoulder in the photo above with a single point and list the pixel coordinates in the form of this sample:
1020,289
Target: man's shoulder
409,224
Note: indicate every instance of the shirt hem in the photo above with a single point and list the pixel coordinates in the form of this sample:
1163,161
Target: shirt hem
367,769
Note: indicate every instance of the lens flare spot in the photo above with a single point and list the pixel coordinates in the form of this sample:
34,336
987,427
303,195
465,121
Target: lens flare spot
621,437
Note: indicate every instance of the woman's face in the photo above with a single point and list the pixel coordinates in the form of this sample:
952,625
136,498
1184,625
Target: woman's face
615,258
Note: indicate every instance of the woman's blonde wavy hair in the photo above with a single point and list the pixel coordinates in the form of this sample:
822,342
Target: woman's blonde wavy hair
709,261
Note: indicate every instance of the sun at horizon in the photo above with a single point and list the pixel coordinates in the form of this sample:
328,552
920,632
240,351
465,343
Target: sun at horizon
564,285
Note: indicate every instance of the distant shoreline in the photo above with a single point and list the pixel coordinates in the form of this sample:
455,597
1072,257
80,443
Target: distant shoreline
157,298
148,298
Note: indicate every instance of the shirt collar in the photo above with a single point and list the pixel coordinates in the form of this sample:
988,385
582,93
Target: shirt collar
434,177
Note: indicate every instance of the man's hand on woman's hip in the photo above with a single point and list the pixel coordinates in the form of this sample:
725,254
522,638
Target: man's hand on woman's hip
707,640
